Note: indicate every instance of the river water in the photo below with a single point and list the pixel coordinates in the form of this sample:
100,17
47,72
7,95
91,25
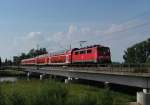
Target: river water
8,79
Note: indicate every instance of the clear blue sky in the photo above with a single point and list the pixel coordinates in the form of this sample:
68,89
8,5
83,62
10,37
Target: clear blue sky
55,24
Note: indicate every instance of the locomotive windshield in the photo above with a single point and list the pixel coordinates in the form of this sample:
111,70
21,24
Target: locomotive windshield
104,49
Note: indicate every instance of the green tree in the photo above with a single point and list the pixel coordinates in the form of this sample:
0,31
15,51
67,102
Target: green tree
0,62
6,61
33,52
148,60
16,60
137,53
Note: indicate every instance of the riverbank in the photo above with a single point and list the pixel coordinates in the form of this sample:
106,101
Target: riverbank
50,92
11,73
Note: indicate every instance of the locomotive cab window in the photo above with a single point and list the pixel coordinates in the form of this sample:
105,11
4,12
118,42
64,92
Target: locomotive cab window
89,51
82,52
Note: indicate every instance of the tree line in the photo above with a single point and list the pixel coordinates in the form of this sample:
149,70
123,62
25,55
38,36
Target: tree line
5,62
138,53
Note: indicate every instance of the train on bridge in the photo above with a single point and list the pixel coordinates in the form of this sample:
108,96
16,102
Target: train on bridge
95,54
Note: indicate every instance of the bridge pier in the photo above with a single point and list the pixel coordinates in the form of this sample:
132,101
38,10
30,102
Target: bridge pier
106,85
68,80
28,75
41,76
143,98
146,90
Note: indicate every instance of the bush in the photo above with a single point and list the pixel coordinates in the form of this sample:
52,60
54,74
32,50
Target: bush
17,99
2,97
51,95
84,99
106,98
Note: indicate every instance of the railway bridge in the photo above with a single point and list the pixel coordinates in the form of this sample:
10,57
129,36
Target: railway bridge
130,76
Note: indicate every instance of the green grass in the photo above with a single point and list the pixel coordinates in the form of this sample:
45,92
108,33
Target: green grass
48,92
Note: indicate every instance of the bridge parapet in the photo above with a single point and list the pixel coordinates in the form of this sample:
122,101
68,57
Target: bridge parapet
125,68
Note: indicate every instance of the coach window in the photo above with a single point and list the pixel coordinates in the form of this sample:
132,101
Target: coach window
89,51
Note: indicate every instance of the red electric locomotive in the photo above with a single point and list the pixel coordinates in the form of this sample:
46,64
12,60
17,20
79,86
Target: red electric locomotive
92,54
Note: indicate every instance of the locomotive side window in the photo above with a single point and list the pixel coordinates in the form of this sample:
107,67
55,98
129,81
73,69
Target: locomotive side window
89,51
82,52
76,53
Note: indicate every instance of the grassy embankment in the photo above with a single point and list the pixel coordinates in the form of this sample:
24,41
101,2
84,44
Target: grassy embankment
46,92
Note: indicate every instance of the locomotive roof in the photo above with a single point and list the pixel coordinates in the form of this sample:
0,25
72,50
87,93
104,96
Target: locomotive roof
89,47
